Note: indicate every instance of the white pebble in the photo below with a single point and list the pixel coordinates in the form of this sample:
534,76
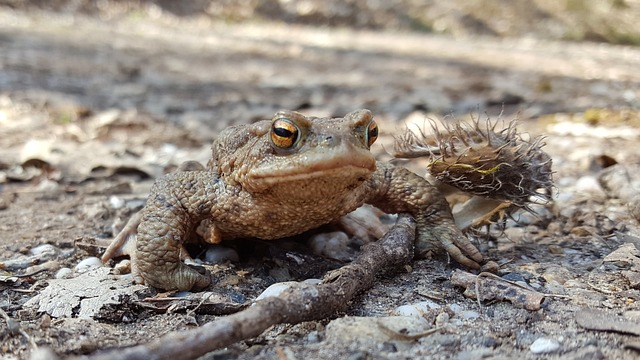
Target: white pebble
48,186
312,281
217,254
135,203
418,309
460,312
469,315
564,197
123,267
88,263
590,185
44,248
276,289
544,346
63,273
117,202
334,245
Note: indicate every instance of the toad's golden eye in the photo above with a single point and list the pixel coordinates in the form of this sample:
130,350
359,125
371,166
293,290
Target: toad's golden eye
284,133
372,133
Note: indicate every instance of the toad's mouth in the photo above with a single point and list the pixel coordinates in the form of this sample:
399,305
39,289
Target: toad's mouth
356,165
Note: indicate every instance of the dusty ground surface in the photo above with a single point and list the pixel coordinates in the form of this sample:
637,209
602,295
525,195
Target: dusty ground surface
92,111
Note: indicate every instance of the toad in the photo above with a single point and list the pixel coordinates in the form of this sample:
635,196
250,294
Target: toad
278,178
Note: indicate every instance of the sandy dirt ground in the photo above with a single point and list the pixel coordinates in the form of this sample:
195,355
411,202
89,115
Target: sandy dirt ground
92,111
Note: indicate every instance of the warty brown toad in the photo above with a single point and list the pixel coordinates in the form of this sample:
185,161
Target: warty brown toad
277,178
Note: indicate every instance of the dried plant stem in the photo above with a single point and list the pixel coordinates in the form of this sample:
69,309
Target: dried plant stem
297,304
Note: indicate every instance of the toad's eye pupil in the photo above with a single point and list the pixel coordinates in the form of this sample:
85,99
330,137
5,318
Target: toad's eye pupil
372,133
284,133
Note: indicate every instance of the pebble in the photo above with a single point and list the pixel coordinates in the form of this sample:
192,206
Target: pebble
123,267
217,254
43,249
564,198
182,294
136,203
333,245
64,273
313,337
522,218
544,346
88,263
590,185
460,312
278,288
373,331
515,234
48,186
442,319
418,309
117,202
469,315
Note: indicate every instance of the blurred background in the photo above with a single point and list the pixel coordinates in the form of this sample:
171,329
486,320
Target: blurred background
171,74
610,21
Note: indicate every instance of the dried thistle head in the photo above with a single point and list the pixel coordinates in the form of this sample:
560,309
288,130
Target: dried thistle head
478,159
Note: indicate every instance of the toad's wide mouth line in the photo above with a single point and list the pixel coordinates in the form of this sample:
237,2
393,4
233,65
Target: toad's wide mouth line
342,171
354,166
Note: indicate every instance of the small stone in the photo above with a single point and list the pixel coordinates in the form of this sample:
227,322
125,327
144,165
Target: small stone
442,319
333,245
43,249
48,186
276,289
555,249
64,273
583,231
123,267
544,346
469,315
218,254
136,203
590,185
418,309
117,202
515,234
313,337
373,331
88,263
182,294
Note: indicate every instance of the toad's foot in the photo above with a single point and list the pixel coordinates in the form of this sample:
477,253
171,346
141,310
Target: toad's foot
159,263
452,240
172,276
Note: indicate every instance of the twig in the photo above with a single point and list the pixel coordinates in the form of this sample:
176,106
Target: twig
302,302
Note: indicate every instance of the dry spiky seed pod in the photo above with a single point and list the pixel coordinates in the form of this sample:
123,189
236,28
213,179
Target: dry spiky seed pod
478,159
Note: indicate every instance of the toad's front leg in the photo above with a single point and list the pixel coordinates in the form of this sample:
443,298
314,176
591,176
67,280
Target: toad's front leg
394,189
177,203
